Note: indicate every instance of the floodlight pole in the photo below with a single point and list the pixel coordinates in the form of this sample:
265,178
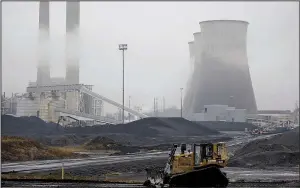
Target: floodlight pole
123,47
123,86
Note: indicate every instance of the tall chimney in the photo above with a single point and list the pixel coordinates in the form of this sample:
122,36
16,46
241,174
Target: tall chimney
72,39
43,67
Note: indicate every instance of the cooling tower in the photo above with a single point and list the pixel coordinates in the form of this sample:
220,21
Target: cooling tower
72,42
221,73
188,91
195,59
192,57
43,67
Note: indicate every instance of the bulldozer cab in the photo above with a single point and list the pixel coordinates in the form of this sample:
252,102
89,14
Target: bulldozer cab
210,153
192,156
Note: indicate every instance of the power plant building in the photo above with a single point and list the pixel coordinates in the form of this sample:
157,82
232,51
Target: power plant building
221,73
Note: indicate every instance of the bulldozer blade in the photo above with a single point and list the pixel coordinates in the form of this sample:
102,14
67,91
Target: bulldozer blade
210,176
154,177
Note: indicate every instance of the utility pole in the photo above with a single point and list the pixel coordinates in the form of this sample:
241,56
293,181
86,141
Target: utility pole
154,107
181,102
128,112
163,104
123,47
157,108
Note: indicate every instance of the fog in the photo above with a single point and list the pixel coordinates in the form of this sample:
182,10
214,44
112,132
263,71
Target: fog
157,61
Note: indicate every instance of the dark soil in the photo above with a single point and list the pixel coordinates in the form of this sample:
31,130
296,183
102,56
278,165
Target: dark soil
227,126
44,184
104,143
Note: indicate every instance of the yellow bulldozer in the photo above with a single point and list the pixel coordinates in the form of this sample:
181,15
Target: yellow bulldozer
192,165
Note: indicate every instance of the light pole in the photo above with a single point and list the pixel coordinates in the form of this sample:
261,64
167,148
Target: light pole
123,47
181,102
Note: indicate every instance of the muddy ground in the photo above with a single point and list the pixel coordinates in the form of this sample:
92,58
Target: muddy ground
135,171
93,184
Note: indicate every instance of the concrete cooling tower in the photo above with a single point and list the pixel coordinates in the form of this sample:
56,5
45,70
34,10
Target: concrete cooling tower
186,100
43,67
72,39
221,72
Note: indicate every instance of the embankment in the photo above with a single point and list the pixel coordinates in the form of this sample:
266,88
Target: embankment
15,148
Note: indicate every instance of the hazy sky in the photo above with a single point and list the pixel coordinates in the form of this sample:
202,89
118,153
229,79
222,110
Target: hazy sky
157,59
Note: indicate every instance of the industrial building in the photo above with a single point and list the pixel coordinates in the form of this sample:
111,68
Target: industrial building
219,68
219,113
275,117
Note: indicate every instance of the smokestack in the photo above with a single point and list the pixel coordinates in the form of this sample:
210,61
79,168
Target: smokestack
72,42
43,68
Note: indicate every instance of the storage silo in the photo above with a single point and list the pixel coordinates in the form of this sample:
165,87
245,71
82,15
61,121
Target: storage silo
222,73
28,105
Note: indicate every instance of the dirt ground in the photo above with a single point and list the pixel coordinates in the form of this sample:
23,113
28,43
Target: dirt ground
93,185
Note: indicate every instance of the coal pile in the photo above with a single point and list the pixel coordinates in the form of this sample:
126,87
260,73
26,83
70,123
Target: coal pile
150,127
148,131
279,150
100,143
104,143
227,126
27,126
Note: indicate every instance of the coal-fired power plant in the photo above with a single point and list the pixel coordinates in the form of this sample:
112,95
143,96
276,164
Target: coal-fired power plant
63,99
220,72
